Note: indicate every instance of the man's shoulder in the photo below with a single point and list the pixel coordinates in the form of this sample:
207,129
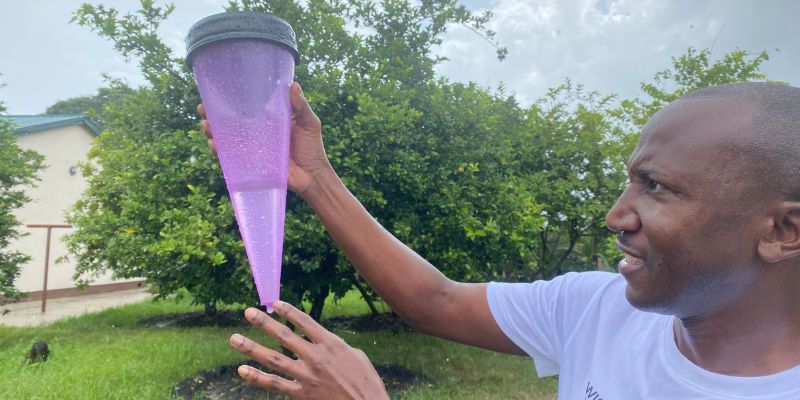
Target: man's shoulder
573,292
586,283
593,277
544,318
590,282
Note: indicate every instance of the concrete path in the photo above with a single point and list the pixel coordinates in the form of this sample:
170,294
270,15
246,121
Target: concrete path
29,313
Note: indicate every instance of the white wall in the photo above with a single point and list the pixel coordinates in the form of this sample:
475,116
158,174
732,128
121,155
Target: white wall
56,192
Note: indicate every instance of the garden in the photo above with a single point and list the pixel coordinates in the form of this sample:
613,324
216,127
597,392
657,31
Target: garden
159,350
479,185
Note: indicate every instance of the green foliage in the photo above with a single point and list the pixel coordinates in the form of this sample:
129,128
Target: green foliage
157,206
580,173
18,169
109,355
135,35
689,72
477,184
92,106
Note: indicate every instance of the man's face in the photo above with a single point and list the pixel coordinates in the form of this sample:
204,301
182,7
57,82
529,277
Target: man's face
689,221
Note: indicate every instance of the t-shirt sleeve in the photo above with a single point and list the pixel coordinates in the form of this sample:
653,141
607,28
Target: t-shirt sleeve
539,317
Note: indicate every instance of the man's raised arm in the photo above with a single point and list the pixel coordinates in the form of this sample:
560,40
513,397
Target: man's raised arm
416,290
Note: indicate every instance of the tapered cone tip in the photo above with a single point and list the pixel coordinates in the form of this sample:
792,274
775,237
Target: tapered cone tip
260,213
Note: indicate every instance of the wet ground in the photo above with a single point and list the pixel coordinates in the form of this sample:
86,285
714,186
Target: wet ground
223,318
223,382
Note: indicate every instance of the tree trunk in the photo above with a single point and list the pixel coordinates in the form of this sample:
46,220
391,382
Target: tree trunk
573,238
210,309
365,295
318,303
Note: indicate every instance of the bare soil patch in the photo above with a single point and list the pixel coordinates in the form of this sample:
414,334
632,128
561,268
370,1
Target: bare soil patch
235,319
368,323
224,383
223,318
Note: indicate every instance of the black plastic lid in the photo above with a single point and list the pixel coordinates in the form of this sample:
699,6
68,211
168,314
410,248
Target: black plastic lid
240,25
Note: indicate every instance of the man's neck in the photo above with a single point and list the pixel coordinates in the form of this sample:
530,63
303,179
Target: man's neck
758,336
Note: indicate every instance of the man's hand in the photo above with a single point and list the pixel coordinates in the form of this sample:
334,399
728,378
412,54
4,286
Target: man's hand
327,367
307,158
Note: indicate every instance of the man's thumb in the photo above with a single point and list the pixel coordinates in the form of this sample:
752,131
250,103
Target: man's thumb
304,116
300,106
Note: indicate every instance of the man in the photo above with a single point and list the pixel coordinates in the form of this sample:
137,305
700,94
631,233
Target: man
706,305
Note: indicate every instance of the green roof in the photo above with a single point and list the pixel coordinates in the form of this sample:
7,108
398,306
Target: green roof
27,124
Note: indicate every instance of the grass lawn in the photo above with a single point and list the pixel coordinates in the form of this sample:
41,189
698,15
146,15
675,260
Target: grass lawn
108,355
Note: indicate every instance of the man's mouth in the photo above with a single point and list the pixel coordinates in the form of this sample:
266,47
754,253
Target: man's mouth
630,264
633,260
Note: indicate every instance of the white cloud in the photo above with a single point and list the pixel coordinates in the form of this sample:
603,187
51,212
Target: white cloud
608,45
612,46
46,59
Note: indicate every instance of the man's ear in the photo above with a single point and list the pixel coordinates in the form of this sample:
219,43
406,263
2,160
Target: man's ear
783,240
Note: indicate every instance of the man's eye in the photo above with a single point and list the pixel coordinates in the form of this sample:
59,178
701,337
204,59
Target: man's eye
654,186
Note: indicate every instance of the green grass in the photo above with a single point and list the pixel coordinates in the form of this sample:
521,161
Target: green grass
107,355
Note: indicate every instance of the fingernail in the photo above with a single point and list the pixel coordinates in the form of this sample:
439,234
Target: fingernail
244,370
237,339
279,305
250,313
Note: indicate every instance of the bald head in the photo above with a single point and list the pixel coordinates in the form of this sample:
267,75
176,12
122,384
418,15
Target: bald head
769,144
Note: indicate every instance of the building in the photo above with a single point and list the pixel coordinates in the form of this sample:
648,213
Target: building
64,141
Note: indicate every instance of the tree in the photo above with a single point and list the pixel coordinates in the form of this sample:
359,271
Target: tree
480,186
568,168
156,204
17,170
92,106
581,164
147,211
692,71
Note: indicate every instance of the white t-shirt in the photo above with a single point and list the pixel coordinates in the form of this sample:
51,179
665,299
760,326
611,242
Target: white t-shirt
581,327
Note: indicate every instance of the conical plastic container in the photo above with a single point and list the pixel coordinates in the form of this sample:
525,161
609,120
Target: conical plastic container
243,63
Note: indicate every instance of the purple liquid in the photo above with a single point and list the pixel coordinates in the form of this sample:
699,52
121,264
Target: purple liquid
260,211
244,85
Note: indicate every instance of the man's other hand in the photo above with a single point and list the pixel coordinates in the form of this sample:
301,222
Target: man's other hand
326,367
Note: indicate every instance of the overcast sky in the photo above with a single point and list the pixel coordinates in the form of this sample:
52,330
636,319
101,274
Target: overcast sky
608,45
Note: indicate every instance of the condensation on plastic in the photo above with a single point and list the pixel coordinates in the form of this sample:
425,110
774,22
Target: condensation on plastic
244,85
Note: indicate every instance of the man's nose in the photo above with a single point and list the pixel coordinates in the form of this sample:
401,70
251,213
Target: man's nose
622,217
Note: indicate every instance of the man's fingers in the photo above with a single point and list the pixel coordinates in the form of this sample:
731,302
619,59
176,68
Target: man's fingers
206,128
269,381
303,116
302,321
281,333
300,105
201,109
266,357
